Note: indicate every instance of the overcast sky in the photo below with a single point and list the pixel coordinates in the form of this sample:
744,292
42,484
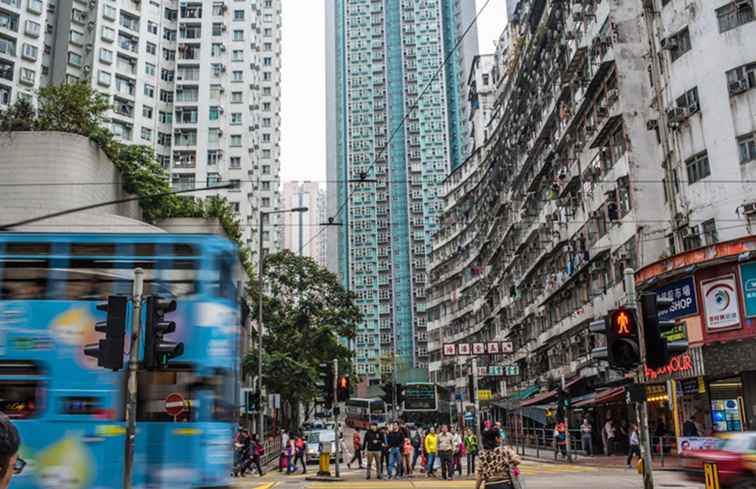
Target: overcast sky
303,82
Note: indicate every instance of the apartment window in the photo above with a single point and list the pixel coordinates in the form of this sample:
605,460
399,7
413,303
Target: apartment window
217,28
266,169
741,79
266,137
35,6
166,96
236,119
164,139
235,162
236,140
213,135
238,15
151,48
171,14
109,12
267,61
74,59
169,34
266,122
267,32
188,73
182,181
187,94
32,28
747,147
214,156
266,92
266,106
106,55
129,21
28,51
5,95
266,202
237,76
152,27
166,117
238,35
268,46
213,179
169,54
104,78
689,100
266,153
108,34
9,21
680,43
76,37
266,185
238,55
146,134
735,14
709,231
214,114
149,69
167,75
147,111
236,97
186,137
235,206
28,76
149,90
266,77
698,167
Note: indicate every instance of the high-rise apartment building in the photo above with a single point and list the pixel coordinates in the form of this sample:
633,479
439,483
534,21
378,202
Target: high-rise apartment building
301,230
397,123
198,81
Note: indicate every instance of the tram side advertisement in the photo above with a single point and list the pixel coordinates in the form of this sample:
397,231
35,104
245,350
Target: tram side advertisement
420,397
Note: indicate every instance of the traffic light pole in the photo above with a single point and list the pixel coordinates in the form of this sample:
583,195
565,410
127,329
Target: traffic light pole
335,413
641,408
475,398
131,393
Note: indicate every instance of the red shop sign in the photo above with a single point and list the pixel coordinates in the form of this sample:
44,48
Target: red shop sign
679,363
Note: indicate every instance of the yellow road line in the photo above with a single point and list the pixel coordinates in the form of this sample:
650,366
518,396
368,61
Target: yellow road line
269,485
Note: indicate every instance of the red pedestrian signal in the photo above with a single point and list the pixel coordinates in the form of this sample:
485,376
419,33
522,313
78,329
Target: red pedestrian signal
342,389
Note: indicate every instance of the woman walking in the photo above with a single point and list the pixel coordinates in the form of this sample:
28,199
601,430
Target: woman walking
471,446
407,451
495,463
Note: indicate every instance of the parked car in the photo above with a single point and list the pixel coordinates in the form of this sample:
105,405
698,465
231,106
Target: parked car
315,438
735,457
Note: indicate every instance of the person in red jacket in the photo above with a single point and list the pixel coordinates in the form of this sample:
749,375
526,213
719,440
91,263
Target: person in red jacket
357,447
300,448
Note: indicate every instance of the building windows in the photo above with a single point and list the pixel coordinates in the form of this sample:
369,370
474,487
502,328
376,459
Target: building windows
214,114
32,28
266,185
106,55
238,15
266,153
689,101
35,6
166,117
185,137
218,28
183,181
74,59
237,76
266,106
28,51
217,49
238,55
235,206
735,14
678,44
238,35
213,179
266,122
169,34
266,202
28,76
166,96
76,37
267,61
149,69
188,73
146,134
214,135
169,54
9,21
747,147
170,14
214,156
164,139
266,92
268,32
235,162
709,231
236,140
698,167
149,90
268,46
266,137
104,78
266,169
108,34
236,97
151,48
147,111
187,94
215,92
741,79
109,11
152,27
236,119
267,76
166,75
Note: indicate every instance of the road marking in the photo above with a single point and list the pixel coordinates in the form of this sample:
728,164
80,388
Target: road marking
269,485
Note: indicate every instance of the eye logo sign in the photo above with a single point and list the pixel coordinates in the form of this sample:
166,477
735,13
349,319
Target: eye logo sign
721,303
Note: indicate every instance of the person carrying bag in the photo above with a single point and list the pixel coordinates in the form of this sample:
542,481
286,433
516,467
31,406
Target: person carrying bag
497,465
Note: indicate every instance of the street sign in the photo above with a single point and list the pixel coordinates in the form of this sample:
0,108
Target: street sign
420,397
174,404
711,475
484,395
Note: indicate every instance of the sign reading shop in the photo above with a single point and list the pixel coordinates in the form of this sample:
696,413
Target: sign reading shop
683,293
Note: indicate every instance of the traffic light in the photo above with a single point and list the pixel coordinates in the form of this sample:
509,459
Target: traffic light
109,351
343,389
659,351
251,401
326,383
470,388
157,351
622,339
399,394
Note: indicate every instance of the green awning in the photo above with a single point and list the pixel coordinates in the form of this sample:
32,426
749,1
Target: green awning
525,393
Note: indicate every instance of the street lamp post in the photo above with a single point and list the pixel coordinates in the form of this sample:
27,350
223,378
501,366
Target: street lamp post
260,263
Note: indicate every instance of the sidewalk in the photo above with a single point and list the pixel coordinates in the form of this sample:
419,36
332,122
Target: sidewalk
670,462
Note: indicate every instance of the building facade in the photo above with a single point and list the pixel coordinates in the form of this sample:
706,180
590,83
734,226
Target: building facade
197,81
301,230
573,186
395,128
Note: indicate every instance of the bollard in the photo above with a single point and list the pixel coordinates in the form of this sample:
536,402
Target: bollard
325,464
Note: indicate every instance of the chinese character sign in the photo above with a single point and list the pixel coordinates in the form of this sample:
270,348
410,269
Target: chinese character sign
720,303
479,348
683,293
748,278
463,348
493,347
507,347
450,349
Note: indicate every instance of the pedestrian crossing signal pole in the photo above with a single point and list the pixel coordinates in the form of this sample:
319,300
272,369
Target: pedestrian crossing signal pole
641,407
475,399
336,413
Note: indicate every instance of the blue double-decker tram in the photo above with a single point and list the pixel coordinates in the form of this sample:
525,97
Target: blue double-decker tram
69,411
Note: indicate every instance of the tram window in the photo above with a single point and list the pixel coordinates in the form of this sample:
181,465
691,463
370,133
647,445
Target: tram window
27,249
155,387
20,399
20,280
224,395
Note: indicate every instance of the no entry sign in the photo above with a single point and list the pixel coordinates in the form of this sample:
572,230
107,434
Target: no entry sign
174,404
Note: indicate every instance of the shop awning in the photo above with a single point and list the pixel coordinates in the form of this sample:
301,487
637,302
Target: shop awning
541,398
610,395
524,393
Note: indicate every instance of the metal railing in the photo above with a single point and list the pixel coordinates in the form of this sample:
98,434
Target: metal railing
272,446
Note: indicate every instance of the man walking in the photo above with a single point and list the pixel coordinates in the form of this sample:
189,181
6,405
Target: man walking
373,446
586,436
431,449
357,447
608,435
634,448
10,463
445,450
395,440
416,439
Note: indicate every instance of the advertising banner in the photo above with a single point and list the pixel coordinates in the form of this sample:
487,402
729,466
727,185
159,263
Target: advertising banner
720,303
683,293
693,443
748,282
420,397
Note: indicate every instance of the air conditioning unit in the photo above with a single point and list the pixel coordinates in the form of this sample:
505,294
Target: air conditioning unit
677,114
89,47
738,86
670,43
86,68
652,124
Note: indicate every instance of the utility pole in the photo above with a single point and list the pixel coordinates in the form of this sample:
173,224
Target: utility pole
566,422
131,393
475,398
261,261
336,412
641,408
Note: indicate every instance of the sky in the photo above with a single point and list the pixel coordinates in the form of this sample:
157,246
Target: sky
303,143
